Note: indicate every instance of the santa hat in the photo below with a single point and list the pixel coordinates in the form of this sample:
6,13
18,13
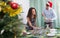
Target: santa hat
50,3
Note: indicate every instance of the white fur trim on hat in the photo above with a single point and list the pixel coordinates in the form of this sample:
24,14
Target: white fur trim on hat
47,3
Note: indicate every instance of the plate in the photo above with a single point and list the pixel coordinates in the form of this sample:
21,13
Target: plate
50,34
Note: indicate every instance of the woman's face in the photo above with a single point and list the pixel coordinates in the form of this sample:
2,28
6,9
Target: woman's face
33,12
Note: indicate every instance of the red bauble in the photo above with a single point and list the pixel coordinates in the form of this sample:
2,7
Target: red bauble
14,5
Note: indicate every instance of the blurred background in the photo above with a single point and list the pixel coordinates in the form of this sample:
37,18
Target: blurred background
39,5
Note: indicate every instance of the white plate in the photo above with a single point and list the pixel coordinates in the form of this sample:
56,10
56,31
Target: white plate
50,34
53,30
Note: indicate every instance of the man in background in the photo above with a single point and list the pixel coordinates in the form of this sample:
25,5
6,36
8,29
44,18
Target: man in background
49,15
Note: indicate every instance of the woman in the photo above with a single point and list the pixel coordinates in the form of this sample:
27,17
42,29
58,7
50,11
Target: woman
31,19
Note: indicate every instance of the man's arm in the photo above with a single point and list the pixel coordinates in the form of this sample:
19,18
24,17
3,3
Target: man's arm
44,16
54,15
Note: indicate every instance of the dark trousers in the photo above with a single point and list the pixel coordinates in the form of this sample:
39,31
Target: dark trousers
49,23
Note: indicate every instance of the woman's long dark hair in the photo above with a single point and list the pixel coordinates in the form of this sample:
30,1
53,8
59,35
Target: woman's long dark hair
30,13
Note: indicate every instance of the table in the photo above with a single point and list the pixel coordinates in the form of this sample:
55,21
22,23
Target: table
44,36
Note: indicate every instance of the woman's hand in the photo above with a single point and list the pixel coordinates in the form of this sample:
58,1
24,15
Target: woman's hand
36,28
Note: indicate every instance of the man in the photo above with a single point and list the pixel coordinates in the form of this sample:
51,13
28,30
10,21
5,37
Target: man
49,15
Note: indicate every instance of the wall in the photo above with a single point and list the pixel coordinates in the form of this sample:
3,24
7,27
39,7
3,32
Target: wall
25,6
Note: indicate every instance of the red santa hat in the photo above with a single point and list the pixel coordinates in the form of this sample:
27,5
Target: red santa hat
50,3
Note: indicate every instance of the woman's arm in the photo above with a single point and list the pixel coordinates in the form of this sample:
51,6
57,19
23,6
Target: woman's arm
30,24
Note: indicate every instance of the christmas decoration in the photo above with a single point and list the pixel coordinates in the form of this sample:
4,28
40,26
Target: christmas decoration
50,3
10,25
14,5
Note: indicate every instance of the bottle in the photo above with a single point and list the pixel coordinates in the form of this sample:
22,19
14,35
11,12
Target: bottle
47,29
